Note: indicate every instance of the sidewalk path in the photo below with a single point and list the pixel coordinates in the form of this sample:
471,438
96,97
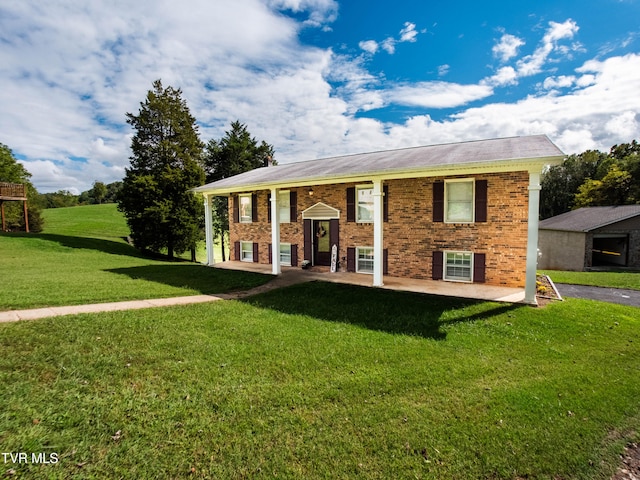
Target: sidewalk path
284,280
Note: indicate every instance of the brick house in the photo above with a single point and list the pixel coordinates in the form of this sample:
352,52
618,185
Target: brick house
463,212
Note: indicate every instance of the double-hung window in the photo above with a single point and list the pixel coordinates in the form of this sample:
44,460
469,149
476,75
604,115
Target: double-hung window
284,206
285,254
364,200
364,259
459,201
246,251
458,266
246,214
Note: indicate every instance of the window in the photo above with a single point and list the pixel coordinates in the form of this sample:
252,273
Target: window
459,201
245,208
458,266
285,254
364,198
364,259
284,205
246,251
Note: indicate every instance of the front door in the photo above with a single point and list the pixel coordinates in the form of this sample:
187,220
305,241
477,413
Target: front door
322,242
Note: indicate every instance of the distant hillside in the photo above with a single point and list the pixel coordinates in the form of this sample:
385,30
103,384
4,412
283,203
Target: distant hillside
95,221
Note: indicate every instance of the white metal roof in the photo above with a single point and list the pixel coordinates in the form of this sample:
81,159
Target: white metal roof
511,154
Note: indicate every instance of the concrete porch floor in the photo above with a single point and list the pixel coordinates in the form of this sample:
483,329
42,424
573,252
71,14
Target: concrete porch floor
292,275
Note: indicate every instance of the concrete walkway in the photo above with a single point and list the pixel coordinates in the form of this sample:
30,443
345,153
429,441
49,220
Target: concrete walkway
35,313
289,276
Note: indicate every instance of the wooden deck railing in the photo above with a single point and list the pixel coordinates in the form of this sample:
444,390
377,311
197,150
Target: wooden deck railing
12,191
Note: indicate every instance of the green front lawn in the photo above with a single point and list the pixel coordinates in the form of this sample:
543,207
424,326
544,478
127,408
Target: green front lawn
83,257
622,279
325,381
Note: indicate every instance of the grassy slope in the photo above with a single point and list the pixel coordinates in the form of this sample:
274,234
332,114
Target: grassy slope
81,257
372,384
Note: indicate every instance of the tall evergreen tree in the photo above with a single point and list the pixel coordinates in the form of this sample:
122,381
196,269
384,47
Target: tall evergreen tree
13,172
161,211
235,153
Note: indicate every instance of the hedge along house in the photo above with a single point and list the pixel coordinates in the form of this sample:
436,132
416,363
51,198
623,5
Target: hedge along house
462,212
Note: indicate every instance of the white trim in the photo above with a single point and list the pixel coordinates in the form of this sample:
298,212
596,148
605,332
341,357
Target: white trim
326,212
275,231
208,228
444,266
378,234
532,238
473,199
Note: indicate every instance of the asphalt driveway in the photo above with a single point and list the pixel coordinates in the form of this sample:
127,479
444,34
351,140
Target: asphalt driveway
604,294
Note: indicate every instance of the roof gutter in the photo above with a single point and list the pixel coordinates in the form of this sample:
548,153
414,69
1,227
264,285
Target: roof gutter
507,165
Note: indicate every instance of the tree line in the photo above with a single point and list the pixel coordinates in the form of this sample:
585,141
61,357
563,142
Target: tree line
591,179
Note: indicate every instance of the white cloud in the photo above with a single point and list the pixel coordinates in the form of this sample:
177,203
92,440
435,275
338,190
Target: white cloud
533,64
408,33
443,70
369,46
437,94
389,45
508,47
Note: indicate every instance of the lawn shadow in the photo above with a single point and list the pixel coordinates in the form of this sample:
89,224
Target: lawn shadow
102,245
377,309
196,277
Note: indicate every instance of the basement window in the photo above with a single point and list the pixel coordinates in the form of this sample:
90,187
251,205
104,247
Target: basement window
458,266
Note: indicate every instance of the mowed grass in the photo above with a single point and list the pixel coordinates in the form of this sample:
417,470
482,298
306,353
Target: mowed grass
325,381
616,279
82,257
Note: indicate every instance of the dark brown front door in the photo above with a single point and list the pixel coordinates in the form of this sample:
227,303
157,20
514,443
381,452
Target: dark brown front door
322,242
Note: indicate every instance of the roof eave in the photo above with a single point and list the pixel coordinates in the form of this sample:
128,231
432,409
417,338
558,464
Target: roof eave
507,165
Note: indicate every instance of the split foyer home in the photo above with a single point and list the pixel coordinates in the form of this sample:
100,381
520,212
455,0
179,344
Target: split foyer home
461,212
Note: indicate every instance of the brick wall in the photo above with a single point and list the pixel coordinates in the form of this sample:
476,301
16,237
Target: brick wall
410,235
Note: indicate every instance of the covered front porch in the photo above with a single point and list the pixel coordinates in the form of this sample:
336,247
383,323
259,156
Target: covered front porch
292,275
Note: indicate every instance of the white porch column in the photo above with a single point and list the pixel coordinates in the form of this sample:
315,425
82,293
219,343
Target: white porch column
378,249
275,233
532,237
208,228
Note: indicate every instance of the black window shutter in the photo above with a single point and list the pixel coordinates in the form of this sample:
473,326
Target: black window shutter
351,259
270,254
479,264
334,233
385,261
436,265
236,209
255,252
293,207
236,251
254,207
481,201
307,240
385,203
269,208
351,204
438,202
294,255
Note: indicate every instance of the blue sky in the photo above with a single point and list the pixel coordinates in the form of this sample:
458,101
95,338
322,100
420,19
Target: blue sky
314,78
